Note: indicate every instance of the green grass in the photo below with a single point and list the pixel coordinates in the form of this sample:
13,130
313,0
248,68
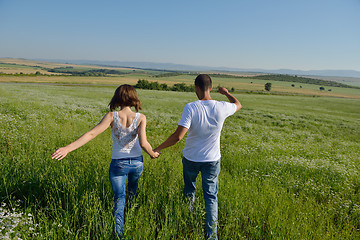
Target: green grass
289,170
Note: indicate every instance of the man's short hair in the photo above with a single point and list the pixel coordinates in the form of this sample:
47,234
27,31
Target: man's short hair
203,81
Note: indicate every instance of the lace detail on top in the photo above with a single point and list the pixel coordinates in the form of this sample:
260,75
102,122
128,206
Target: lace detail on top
125,139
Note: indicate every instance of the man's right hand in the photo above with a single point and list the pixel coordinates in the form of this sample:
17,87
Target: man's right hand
231,98
223,90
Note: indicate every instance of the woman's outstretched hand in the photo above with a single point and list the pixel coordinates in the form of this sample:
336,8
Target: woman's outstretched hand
60,153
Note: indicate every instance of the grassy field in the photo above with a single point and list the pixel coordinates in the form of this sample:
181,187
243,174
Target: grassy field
239,84
290,168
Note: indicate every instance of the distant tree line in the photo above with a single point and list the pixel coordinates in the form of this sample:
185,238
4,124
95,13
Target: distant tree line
37,73
290,78
169,74
178,87
92,72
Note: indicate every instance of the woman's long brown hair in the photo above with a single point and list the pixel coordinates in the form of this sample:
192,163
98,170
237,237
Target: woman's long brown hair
125,95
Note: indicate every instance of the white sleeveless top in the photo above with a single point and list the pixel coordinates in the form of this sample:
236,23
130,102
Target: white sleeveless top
125,140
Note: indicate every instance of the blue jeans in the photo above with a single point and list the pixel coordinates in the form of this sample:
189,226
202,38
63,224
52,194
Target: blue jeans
120,169
210,184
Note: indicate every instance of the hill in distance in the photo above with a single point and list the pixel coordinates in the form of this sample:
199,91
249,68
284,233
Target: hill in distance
182,67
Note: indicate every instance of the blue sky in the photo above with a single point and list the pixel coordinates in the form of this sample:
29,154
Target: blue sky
296,34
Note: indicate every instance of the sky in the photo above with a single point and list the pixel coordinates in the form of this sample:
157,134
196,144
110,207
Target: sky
276,34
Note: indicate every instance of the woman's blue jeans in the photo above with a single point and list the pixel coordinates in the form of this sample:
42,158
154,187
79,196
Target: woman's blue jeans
120,170
210,185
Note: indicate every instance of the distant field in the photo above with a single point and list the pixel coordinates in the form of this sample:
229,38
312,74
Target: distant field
239,84
15,66
346,80
243,84
17,69
71,80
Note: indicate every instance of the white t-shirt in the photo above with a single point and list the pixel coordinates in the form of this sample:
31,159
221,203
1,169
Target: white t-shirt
204,119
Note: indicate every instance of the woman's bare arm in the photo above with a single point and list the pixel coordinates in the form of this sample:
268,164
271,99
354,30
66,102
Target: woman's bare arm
145,145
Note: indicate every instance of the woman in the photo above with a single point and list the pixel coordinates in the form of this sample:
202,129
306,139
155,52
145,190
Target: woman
128,130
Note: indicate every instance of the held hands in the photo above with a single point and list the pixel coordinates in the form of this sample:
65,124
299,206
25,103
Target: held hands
156,154
60,153
223,90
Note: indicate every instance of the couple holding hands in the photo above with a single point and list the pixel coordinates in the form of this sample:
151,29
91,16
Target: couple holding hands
203,119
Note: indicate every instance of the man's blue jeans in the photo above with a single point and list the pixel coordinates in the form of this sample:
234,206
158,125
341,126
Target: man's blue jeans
120,169
210,184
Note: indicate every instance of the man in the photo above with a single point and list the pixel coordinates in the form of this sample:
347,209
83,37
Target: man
203,119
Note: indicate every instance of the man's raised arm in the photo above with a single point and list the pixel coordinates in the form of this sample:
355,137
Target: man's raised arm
231,98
